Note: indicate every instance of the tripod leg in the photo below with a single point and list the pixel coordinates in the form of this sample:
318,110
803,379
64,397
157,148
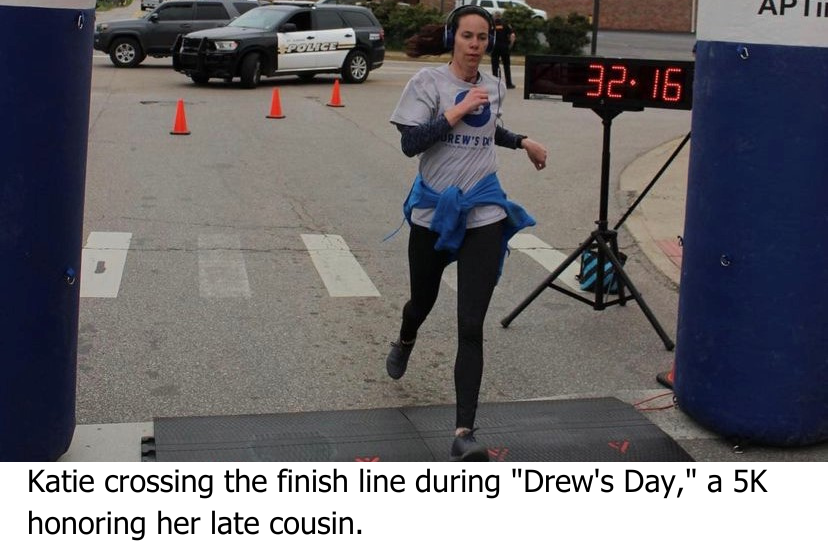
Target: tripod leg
652,182
549,280
600,272
621,294
668,343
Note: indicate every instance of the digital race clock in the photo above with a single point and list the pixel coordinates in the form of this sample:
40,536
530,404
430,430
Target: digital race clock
624,83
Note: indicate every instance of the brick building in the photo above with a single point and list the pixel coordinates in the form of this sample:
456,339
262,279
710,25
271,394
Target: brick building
638,15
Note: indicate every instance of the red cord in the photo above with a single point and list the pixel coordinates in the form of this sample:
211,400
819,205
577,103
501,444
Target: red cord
648,409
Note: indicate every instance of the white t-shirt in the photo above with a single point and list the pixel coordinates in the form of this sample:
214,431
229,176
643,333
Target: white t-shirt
467,153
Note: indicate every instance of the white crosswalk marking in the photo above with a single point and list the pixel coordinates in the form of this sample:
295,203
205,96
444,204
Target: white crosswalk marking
337,267
536,249
102,263
221,269
450,276
547,257
222,272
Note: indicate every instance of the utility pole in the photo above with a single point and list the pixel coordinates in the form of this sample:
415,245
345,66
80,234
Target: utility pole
596,7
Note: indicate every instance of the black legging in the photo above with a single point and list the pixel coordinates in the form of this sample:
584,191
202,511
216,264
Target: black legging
478,262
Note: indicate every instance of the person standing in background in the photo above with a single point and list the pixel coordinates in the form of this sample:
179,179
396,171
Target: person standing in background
502,50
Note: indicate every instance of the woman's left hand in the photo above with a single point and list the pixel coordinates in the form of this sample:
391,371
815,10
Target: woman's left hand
536,153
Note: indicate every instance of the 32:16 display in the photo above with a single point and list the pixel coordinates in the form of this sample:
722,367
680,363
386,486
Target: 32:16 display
663,83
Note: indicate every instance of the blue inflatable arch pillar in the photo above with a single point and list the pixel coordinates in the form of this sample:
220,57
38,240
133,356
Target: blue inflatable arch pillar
752,342
47,61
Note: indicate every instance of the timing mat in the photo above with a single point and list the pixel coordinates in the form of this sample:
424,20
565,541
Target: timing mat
600,429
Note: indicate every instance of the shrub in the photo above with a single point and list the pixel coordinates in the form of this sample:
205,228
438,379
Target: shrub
567,37
556,36
104,5
529,31
400,22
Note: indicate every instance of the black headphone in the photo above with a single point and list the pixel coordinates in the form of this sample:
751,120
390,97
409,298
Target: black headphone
453,20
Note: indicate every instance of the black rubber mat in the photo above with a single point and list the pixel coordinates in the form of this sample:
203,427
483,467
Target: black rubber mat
603,429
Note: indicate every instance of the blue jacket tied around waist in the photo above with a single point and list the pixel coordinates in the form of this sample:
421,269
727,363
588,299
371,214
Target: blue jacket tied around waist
452,206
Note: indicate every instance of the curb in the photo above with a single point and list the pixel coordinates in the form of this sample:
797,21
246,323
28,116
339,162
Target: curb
658,221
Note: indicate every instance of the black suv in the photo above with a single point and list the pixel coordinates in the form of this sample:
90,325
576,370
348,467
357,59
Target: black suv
284,39
129,41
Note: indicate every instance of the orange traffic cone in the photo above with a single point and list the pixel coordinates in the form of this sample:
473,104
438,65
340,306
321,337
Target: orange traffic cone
275,106
666,378
335,101
180,125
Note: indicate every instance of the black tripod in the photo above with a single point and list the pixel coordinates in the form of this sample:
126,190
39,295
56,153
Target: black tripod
605,242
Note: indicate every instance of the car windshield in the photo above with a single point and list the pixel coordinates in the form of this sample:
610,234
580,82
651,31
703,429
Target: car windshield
261,19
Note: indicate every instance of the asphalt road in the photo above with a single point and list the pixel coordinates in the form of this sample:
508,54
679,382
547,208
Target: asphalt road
263,333
161,347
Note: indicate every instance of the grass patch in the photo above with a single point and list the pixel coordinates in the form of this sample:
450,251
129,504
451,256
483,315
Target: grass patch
106,5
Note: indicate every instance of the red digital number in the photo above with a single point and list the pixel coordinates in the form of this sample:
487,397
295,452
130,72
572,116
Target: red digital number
656,80
620,80
672,90
598,80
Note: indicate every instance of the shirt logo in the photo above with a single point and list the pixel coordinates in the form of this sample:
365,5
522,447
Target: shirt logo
477,118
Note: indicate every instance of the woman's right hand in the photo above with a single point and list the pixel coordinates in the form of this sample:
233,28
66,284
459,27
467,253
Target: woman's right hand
474,99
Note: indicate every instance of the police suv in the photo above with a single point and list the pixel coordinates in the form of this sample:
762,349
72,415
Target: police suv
129,41
285,39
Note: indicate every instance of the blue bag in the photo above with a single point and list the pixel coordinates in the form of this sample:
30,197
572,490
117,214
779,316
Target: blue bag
589,271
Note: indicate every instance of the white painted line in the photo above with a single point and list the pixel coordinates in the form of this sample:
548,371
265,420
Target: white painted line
450,276
221,269
102,263
547,257
337,267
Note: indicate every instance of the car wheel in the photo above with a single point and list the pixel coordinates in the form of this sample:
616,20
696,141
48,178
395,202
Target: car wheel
355,69
126,53
251,71
199,79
